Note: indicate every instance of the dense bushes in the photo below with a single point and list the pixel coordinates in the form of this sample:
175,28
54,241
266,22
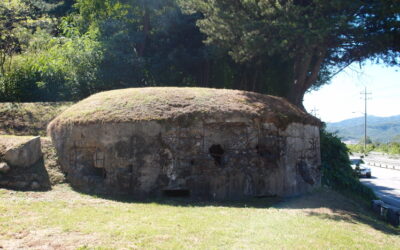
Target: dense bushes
336,170
387,148
66,71
109,45
68,50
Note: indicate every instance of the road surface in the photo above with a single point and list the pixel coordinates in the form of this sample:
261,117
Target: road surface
386,184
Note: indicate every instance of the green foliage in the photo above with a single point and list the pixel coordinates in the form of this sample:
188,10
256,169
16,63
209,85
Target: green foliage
18,20
392,148
274,47
314,38
336,170
65,71
359,148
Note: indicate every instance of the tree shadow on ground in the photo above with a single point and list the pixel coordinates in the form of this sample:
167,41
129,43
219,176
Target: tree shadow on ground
324,203
188,201
331,205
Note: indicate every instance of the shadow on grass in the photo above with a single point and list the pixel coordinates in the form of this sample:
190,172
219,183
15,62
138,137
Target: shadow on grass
251,202
330,205
324,204
21,178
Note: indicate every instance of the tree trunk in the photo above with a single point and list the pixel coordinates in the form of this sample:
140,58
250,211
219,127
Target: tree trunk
296,95
146,31
306,71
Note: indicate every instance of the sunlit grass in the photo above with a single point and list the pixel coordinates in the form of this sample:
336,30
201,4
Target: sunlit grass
321,220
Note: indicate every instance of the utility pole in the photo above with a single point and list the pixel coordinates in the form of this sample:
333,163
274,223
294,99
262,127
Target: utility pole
364,95
314,111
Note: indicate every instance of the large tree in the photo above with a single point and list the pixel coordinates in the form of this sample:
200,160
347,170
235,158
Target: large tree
314,39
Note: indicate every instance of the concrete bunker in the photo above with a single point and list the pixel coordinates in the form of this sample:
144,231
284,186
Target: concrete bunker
188,142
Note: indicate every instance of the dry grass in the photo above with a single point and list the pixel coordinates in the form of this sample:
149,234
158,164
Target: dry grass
64,219
28,118
50,160
163,103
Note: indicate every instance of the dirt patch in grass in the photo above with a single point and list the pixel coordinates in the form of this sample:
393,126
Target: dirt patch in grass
48,239
28,118
168,103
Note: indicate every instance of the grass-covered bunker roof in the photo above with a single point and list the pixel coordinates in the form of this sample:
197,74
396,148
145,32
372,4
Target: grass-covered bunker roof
171,103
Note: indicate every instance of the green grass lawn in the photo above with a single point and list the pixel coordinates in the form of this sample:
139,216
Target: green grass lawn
65,218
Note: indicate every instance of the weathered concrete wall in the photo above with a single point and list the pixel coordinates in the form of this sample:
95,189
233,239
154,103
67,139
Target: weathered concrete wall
219,158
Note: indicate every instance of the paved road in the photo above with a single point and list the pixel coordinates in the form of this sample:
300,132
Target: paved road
386,184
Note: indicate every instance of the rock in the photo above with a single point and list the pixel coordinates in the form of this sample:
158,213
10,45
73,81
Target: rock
35,185
24,155
4,168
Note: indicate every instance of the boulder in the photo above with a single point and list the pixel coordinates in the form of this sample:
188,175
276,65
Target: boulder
25,154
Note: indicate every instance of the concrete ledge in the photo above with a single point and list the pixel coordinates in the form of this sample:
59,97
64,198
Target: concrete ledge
389,213
383,165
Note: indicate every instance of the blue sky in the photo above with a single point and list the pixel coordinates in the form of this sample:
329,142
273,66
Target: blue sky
341,99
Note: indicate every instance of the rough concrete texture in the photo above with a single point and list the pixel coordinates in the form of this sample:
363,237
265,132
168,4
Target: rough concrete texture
226,155
25,168
25,154
4,168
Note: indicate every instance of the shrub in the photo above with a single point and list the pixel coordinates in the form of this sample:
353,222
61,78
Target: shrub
66,70
336,170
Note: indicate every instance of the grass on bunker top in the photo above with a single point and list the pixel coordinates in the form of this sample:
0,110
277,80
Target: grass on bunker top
29,118
324,219
163,103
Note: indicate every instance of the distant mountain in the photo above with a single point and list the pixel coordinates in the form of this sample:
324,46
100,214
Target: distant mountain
379,129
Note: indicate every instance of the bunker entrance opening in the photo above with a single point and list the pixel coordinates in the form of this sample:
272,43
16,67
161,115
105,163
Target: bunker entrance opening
176,193
217,152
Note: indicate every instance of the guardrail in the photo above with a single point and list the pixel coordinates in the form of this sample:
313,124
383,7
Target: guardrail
382,165
387,212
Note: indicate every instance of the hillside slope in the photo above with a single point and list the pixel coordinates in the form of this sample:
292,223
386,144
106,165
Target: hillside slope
379,129
28,118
